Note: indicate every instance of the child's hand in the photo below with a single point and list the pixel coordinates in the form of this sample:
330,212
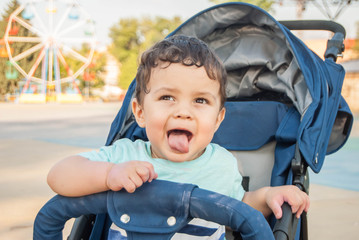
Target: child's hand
130,175
297,199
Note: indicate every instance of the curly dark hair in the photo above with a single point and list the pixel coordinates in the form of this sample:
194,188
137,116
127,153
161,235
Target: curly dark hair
189,51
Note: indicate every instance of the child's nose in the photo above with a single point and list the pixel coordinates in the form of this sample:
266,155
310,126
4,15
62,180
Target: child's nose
183,112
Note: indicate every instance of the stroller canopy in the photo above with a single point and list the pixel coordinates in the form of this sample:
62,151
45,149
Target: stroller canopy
265,61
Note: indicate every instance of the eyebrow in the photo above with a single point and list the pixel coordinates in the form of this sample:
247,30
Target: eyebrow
205,94
166,89
174,90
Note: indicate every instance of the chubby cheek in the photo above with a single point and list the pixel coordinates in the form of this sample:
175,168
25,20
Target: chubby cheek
206,130
155,127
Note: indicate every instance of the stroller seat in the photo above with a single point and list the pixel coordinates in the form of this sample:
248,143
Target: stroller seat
249,132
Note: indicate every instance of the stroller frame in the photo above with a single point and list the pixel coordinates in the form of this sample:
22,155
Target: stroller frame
287,227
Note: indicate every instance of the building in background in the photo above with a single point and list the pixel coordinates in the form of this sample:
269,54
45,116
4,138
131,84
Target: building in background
350,62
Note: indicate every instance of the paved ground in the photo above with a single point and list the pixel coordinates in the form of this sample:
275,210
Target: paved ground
34,137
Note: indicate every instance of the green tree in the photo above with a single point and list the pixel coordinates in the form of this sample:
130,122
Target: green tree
131,36
11,85
265,4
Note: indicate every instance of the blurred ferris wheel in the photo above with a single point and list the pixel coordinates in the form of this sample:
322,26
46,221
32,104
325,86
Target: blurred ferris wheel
54,36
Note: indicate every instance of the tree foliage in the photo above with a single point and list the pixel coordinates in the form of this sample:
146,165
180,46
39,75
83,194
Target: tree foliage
93,73
131,36
265,4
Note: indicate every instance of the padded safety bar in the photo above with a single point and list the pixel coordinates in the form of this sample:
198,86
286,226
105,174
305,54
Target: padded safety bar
52,217
230,212
207,205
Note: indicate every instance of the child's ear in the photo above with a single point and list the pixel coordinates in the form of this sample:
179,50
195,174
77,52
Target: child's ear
137,111
220,117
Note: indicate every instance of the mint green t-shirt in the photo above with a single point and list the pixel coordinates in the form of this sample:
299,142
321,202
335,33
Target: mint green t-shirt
215,170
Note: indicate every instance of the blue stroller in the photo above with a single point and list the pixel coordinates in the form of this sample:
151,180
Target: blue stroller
284,113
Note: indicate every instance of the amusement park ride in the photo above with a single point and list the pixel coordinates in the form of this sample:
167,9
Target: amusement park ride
58,29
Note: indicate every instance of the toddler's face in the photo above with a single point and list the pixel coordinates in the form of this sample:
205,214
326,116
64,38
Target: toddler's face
181,112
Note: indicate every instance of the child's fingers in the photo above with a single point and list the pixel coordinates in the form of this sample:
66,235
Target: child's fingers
276,208
299,203
129,185
143,172
306,205
151,171
300,210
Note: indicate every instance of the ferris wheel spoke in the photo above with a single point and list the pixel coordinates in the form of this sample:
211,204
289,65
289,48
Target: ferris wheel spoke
16,12
67,79
69,29
28,26
38,18
18,67
78,40
64,63
62,20
28,52
36,64
76,54
24,39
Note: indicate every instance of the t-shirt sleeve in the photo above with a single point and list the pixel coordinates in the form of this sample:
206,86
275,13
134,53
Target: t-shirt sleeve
104,154
237,188
122,150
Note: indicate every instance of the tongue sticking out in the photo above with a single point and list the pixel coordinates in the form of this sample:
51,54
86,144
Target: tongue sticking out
178,141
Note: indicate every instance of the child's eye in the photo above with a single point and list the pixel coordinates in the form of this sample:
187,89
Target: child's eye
166,98
201,100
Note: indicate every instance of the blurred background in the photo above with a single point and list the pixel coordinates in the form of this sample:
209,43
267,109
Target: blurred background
65,68
74,51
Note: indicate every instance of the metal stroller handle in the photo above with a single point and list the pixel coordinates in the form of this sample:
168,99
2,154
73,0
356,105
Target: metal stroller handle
335,46
314,25
283,230
201,203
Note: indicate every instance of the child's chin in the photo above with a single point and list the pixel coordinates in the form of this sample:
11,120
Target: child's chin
181,157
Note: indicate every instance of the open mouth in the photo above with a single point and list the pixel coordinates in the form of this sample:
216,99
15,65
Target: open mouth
177,132
178,140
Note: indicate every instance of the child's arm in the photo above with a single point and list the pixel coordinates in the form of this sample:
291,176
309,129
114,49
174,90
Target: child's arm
78,176
270,199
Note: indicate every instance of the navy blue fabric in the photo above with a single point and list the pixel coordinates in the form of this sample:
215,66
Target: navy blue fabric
344,110
52,217
195,230
118,122
149,208
249,125
230,212
286,137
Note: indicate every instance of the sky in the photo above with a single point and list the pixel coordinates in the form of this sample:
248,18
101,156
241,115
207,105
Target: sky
106,13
